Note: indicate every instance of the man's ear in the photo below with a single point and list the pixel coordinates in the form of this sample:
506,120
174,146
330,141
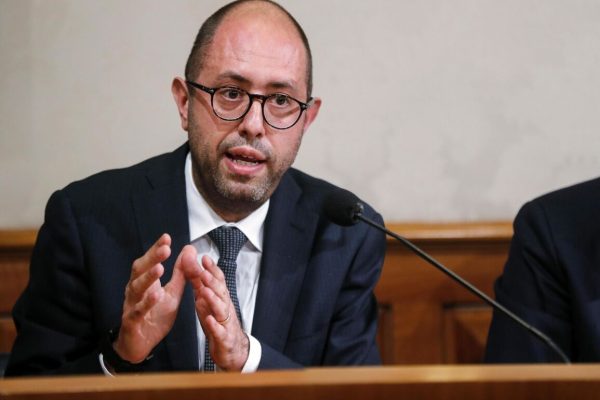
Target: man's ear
311,113
181,96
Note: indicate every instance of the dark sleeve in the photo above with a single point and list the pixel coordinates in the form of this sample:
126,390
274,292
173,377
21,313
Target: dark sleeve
533,286
53,316
351,336
352,339
273,359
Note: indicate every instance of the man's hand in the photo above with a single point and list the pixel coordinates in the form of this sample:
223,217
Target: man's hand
149,309
228,344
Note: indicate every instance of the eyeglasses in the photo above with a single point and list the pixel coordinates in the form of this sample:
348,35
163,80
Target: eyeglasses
231,104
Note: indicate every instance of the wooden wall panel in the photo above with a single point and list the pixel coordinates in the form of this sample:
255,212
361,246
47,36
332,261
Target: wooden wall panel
425,318
428,318
15,251
465,333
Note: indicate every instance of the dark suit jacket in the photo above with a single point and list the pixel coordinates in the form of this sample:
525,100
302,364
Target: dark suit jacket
552,279
315,303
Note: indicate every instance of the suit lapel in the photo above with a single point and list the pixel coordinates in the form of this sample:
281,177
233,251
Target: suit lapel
289,232
160,208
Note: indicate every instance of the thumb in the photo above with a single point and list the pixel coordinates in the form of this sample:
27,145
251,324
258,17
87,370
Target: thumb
177,283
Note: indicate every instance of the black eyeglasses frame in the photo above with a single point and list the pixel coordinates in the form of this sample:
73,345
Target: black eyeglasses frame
252,96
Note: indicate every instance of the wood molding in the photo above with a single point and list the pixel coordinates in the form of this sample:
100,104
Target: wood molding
516,382
453,231
17,238
434,231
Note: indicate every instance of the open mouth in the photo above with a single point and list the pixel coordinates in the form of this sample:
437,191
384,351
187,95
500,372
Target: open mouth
243,160
245,156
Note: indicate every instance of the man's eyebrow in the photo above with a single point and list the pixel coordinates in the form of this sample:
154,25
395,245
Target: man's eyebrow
282,85
234,76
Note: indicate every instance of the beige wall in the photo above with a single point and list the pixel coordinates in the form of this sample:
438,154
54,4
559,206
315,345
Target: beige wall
433,109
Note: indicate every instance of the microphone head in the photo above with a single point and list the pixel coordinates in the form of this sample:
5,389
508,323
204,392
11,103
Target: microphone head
342,207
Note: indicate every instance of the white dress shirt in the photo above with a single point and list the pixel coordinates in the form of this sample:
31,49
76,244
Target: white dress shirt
202,220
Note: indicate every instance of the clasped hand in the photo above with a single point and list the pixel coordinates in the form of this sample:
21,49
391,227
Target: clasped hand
150,309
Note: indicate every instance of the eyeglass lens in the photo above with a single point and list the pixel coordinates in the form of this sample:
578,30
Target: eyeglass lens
280,110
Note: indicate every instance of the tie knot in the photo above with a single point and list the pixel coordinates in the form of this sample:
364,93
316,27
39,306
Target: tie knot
229,240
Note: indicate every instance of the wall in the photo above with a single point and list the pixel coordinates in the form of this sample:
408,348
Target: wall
433,110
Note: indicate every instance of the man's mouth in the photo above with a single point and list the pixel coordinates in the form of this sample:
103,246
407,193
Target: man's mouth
242,160
245,156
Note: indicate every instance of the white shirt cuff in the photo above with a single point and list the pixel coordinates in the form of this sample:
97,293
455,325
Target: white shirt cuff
103,366
254,355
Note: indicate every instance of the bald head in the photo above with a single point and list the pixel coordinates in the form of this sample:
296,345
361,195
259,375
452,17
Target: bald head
259,9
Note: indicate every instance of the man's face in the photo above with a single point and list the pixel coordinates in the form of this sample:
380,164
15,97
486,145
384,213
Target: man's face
238,164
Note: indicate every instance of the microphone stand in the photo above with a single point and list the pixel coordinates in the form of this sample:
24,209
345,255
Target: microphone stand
357,215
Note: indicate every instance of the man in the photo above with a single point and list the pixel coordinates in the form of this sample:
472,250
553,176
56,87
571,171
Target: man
115,285
552,279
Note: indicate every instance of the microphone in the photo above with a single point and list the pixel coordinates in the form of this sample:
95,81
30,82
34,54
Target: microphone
344,208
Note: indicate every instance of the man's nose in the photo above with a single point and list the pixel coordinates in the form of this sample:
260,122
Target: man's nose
253,123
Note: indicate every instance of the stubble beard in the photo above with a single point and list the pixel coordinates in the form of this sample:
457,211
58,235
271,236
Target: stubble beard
235,194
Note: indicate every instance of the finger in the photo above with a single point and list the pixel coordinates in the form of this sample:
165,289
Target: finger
157,253
141,308
213,277
211,327
217,307
209,265
185,261
215,330
198,274
139,287
192,269
211,293
147,269
202,309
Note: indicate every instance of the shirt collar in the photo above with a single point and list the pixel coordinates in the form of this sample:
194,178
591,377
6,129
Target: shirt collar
203,219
